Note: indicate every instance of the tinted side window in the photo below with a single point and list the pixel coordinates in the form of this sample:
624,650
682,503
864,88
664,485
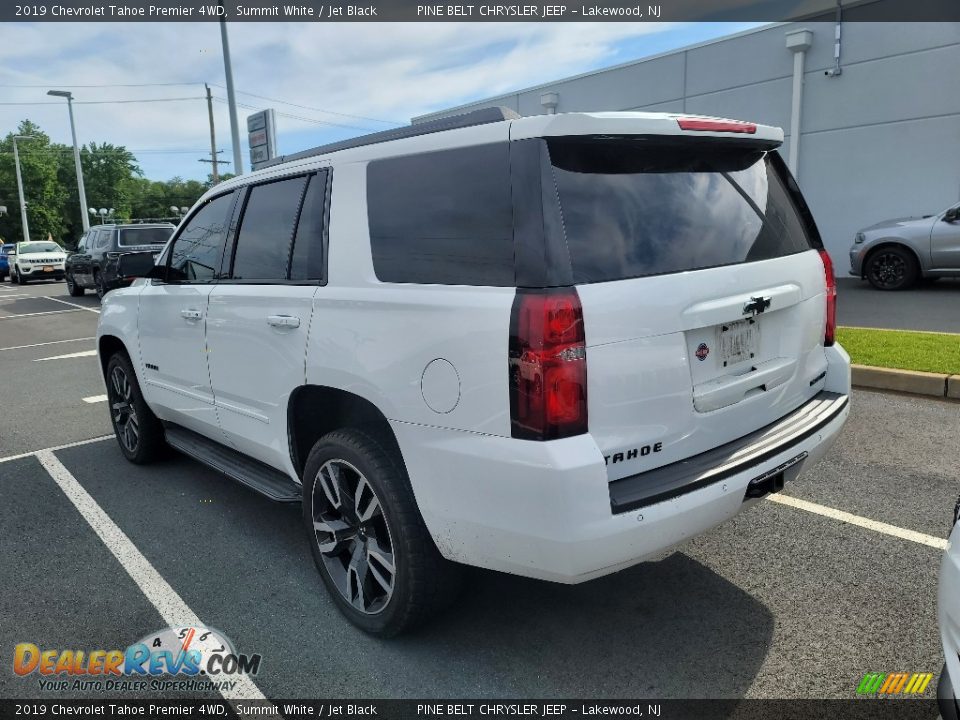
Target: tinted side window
266,230
308,246
102,237
443,217
199,248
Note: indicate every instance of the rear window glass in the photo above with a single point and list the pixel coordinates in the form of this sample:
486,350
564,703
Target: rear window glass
633,208
443,217
145,235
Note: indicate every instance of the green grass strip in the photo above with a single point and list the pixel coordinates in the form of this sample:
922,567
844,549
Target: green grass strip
901,349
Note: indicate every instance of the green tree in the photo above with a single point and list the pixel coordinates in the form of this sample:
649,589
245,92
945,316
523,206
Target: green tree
43,193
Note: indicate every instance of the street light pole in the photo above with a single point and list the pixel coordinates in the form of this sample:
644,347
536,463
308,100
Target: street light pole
231,99
23,203
76,156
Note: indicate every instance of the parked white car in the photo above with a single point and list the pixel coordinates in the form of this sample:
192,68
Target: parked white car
37,260
552,346
950,623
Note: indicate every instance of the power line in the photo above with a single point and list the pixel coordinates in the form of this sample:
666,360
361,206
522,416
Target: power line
107,102
314,109
304,119
128,85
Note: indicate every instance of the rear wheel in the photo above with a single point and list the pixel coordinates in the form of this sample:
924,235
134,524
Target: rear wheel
138,431
101,285
74,289
892,268
368,538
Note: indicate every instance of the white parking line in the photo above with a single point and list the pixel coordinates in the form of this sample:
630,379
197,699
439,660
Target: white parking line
82,307
52,342
47,312
77,443
17,297
95,399
82,353
867,523
175,612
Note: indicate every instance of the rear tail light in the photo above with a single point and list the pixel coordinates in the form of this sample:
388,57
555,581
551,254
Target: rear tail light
716,125
547,365
830,331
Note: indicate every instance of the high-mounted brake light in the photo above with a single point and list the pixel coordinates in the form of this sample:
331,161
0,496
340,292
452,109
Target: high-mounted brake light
830,330
547,365
733,126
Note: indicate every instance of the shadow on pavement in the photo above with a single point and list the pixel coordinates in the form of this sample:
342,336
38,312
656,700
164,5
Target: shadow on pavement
672,628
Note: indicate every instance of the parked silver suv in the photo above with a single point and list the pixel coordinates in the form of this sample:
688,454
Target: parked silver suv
894,254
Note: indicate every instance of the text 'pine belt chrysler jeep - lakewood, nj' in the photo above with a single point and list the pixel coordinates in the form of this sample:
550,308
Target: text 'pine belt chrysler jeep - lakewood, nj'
552,346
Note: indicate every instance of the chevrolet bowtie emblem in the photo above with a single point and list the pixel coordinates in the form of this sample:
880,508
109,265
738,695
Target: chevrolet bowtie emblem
756,305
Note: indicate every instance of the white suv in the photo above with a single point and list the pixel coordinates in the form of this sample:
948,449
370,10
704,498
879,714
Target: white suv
551,346
37,260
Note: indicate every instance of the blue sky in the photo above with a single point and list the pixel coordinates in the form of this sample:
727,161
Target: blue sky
348,79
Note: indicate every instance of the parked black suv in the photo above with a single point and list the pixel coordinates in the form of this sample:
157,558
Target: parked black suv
94,264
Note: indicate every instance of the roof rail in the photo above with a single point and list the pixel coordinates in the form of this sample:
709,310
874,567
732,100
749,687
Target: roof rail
483,116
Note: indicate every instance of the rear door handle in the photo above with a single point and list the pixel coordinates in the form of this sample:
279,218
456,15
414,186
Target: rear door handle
191,314
283,321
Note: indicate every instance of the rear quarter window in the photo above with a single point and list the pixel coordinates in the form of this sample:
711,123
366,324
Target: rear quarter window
633,208
443,217
145,236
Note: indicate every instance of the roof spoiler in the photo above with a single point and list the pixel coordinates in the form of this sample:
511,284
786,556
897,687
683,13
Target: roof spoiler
484,116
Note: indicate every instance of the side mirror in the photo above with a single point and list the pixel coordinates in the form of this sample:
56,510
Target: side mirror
951,215
138,265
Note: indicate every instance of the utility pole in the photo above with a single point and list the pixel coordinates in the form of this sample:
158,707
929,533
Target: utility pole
23,203
81,192
213,136
231,97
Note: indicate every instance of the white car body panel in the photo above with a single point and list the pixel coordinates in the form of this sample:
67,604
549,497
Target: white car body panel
434,360
949,606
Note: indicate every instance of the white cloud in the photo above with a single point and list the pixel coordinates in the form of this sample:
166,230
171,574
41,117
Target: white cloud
389,71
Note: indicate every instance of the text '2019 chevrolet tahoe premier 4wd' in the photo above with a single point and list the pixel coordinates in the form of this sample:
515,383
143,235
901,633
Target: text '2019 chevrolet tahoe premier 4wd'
552,346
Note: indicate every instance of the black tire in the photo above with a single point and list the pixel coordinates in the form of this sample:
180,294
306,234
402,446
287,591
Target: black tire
21,280
423,582
892,268
124,406
100,285
72,287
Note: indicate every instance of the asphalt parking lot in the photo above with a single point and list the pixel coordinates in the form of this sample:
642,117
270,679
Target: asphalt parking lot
794,598
929,306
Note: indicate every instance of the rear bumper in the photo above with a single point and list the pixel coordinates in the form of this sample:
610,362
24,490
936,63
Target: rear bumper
544,509
949,611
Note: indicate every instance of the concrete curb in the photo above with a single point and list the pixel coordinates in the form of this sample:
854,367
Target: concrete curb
906,381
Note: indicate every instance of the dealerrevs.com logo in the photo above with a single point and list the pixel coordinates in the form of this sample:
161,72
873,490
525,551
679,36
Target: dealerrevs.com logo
191,658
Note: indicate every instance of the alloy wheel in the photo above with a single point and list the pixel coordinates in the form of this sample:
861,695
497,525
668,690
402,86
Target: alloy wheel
122,411
353,536
888,269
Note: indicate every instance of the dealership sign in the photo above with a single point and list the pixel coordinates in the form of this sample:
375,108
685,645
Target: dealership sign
262,137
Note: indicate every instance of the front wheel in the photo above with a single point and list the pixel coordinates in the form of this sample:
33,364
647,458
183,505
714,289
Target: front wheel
72,287
138,431
21,280
368,538
892,268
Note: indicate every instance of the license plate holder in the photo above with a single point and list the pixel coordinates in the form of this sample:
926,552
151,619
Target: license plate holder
48,268
738,341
